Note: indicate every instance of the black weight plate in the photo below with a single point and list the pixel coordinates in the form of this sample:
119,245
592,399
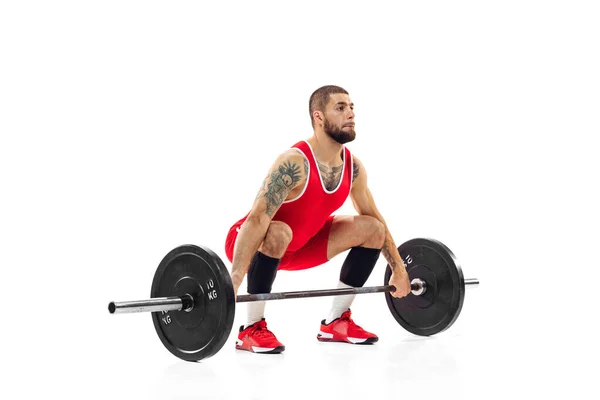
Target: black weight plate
203,331
438,308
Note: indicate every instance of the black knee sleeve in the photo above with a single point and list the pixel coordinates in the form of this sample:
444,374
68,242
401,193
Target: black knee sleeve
358,265
261,273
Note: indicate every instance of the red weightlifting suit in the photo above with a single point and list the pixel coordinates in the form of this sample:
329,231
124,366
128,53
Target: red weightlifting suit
309,215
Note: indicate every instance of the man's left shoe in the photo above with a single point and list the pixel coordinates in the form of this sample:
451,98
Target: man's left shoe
344,329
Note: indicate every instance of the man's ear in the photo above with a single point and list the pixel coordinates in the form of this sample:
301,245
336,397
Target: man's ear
318,116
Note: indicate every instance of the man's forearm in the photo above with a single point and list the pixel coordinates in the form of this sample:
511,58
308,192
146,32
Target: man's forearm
251,234
390,252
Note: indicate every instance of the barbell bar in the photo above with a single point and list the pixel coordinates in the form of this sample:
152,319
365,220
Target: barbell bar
186,303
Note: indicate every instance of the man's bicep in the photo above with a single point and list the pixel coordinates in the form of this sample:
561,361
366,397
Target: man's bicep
362,197
285,174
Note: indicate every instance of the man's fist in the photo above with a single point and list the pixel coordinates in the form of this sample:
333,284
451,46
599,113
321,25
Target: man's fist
400,281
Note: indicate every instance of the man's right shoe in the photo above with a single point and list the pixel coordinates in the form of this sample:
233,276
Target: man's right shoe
258,339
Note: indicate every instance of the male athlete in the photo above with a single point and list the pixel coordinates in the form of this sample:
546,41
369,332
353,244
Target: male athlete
291,225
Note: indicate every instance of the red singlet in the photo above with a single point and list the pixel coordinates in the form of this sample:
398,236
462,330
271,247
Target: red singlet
309,215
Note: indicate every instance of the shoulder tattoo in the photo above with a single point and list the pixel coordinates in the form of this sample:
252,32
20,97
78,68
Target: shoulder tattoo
354,171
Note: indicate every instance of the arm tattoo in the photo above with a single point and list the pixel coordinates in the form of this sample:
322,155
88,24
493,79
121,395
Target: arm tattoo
283,180
331,177
305,167
354,171
388,255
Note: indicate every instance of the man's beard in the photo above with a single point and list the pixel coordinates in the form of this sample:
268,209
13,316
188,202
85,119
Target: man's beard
338,134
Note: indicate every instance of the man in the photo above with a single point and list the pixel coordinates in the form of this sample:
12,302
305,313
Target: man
291,225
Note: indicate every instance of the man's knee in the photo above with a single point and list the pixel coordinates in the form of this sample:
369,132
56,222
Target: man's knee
264,264
278,237
376,236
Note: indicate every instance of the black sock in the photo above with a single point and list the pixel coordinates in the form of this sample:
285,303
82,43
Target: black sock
358,266
261,273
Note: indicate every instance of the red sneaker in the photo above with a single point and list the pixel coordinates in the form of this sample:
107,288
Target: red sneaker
258,339
343,329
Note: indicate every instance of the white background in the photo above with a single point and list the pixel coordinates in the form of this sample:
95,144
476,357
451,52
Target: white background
131,127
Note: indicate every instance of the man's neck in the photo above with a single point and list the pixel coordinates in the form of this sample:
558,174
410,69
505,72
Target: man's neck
327,151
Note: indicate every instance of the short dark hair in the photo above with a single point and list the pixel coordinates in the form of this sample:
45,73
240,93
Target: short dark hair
320,98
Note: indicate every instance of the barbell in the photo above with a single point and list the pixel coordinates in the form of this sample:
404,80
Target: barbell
193,304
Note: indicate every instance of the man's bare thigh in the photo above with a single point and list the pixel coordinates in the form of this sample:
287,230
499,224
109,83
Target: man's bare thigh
348,231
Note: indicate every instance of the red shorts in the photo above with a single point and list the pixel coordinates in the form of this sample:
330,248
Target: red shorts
312,254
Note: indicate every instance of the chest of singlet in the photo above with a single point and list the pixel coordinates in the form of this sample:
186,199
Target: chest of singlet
307,213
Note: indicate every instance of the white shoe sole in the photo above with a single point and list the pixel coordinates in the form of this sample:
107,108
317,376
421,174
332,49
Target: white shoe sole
256,349
329,336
